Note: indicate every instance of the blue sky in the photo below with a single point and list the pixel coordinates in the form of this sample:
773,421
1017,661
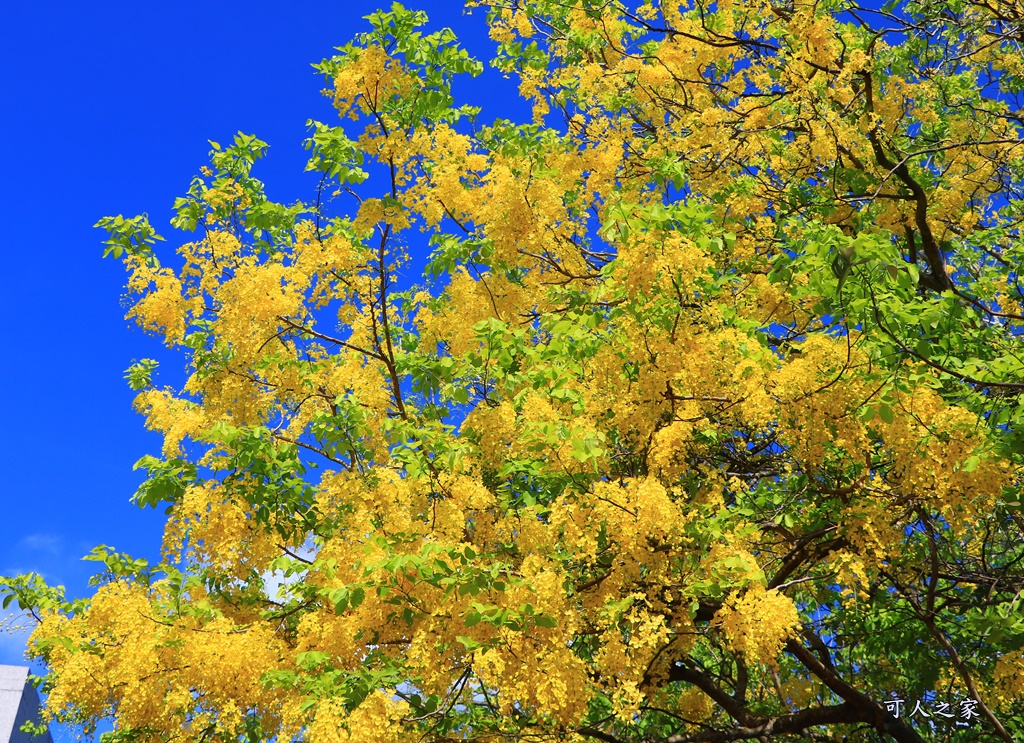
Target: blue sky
109,109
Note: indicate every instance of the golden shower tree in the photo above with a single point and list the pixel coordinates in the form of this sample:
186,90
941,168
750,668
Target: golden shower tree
704,423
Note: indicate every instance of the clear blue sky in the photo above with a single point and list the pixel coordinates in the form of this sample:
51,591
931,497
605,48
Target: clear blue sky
108,109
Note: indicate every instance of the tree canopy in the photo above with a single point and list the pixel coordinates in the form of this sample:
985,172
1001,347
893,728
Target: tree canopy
703,422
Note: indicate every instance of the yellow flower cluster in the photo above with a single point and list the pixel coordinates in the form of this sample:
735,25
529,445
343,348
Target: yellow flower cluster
209,526
758,623
368,80
1008,679
125,656
375,720
174,417
162,308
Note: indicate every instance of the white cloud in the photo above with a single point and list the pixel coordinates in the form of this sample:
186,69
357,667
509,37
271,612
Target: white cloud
274,580
48,543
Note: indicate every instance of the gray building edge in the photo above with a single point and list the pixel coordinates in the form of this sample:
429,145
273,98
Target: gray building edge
19,703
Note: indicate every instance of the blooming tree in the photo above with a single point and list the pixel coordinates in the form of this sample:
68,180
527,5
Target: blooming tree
702,425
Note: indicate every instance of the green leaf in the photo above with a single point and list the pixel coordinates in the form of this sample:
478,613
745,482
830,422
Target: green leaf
841,268
885,413
134,237
140,374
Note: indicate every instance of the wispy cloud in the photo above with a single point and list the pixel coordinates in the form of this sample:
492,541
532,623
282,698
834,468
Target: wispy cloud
49,544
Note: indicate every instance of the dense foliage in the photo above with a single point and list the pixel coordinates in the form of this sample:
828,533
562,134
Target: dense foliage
703,424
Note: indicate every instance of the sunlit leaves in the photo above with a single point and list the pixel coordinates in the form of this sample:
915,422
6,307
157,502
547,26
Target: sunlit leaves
134,236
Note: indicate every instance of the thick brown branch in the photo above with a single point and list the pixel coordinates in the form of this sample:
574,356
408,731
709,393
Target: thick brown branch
589,732
874,713
798,722
932,252
686,671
